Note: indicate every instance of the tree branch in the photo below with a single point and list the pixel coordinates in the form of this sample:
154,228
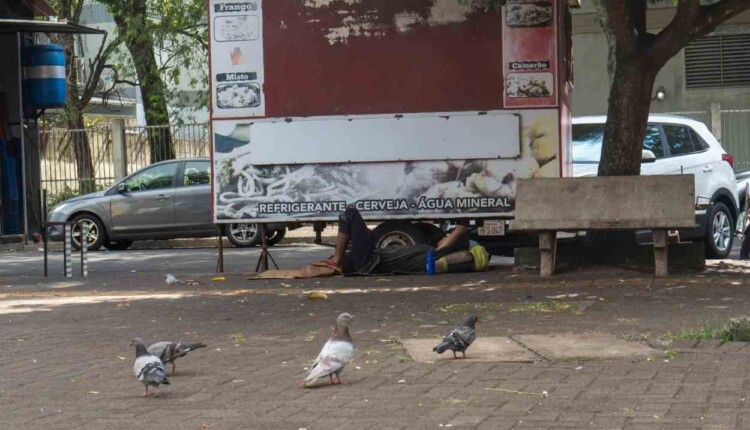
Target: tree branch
676,34
76,15
97,67
194,37
712,16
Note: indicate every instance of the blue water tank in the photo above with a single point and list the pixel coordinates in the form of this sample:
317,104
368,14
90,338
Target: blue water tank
44,73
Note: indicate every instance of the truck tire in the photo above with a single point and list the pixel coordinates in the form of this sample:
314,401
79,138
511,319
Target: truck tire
399,233
276,237
719,232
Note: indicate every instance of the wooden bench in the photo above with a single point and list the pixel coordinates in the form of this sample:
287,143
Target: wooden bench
658,203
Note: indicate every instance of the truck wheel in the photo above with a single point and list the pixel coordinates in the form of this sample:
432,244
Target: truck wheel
96,236
276,237
399,234
719,232
243,234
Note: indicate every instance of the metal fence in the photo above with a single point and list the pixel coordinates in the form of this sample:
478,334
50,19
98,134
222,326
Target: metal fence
186,141
735,136
60,149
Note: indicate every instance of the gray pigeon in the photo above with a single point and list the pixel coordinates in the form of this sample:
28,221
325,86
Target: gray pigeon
459,338
336,353
168,352
147,367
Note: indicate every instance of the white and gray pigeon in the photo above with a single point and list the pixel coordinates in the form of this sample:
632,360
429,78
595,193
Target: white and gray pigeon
168,352
459,338
147,367
335,355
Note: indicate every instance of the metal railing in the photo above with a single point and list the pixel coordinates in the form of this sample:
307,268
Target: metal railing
735,136
67,170
73,162
175,141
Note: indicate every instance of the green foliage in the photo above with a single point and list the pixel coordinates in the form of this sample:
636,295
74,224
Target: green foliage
55,199
737,330
178,31
68,193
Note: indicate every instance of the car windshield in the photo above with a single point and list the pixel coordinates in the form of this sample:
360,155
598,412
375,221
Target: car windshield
587,142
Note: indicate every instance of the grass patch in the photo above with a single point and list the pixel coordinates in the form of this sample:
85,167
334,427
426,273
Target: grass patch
736,330
405,358
632,336
466,308
548,307
238,338
671,353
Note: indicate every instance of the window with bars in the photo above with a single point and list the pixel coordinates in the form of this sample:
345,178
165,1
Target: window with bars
718,62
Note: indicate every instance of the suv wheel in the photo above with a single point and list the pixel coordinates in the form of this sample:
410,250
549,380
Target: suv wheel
96,236
243,234
719,232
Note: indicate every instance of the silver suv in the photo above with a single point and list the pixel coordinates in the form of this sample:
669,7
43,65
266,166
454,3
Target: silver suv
166,200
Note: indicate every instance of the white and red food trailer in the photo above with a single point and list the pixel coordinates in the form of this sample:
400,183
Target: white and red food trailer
416,110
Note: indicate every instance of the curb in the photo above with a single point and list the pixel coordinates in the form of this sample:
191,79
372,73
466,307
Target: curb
209,242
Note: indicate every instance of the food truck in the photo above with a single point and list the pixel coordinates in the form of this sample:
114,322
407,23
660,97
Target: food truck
413,111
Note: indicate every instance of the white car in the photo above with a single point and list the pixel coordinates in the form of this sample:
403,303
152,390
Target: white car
676,145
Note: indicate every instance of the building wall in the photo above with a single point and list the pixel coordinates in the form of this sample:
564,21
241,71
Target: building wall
592,81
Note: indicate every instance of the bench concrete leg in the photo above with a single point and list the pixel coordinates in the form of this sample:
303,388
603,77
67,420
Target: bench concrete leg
547,253
661,256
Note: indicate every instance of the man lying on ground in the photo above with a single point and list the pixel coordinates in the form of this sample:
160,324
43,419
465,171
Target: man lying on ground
364,258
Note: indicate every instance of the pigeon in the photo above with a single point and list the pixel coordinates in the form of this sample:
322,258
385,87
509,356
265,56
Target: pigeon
168,352
459,338
147,367
335,355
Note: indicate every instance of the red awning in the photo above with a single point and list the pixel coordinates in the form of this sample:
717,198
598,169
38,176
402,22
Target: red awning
39,7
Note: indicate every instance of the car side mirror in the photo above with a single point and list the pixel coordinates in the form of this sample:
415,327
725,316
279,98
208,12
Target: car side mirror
121,188
647,156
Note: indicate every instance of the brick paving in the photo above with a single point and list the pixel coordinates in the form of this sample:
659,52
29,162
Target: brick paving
68,366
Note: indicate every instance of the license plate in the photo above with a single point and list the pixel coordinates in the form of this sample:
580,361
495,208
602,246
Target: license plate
492,228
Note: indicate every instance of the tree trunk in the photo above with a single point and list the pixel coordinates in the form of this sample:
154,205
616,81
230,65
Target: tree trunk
74,120
79,139
154,96
153,89
627,117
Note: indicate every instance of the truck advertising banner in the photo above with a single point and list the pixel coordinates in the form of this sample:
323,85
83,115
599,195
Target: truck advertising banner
406,109
382,190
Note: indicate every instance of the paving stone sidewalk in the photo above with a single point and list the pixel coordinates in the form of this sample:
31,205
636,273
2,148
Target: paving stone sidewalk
66,364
